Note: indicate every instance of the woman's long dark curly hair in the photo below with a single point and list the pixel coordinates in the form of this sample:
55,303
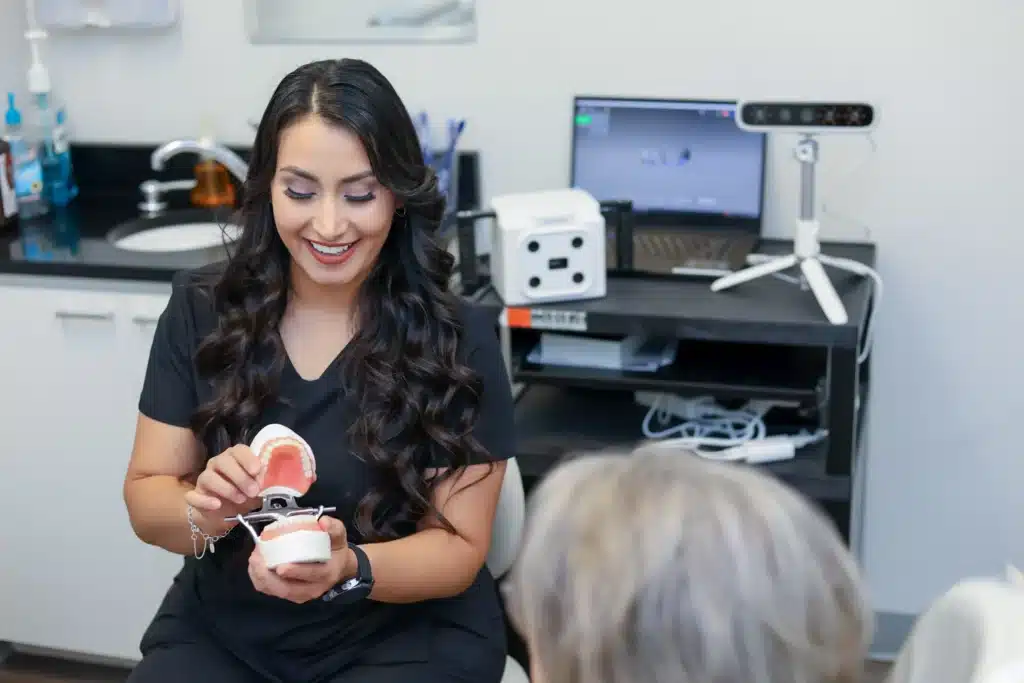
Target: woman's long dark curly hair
417,400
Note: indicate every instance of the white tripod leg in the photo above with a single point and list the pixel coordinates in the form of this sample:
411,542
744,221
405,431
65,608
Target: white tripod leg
824,292
850,266
753,272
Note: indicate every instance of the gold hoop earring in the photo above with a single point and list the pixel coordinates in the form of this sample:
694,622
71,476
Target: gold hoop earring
400,212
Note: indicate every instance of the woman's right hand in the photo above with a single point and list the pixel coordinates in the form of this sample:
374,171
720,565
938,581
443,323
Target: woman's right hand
228,486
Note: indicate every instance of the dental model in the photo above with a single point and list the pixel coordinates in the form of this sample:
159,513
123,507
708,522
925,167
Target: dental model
288,464
289,470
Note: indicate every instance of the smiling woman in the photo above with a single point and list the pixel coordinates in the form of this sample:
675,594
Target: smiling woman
329,208
332,318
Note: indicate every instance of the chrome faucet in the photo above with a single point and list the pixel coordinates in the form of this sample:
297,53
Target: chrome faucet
231,161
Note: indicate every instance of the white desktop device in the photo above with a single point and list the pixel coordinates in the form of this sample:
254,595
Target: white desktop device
808,120
548,246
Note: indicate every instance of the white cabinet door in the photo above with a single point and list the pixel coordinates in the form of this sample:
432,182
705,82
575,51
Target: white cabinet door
35,516
142,573
82,581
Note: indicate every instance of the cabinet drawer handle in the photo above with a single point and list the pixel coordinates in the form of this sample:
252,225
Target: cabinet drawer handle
145,320
85,315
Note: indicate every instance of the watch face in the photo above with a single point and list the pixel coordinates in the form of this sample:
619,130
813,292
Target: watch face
351,590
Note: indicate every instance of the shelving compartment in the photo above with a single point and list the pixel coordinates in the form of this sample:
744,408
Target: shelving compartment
553,422
719,369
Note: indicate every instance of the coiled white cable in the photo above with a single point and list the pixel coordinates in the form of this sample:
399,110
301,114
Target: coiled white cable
716,433
876,302
705,425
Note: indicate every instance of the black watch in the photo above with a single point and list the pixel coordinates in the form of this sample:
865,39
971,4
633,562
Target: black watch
356,588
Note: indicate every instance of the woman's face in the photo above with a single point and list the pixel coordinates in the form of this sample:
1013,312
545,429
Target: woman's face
331,213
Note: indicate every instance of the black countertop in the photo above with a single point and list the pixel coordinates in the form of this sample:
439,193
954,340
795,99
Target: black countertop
73,242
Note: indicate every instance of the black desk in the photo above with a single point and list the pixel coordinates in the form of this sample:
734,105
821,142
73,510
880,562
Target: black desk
763,339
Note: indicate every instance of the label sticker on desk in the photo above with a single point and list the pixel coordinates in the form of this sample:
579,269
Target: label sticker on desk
547,319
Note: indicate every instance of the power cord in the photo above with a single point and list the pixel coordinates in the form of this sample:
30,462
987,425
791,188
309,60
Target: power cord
704,421
877,288
876,301
716,433
869,325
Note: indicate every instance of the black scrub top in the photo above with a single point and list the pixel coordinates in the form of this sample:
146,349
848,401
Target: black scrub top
215,596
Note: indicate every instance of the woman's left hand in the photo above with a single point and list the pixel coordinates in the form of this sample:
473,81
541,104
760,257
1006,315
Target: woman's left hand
301,583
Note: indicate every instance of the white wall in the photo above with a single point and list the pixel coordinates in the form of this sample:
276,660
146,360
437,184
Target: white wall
13,58
946,473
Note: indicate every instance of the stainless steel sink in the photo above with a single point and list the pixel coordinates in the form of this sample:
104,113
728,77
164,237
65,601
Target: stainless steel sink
175,232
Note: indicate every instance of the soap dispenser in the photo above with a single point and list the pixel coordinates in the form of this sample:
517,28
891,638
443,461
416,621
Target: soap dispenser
214,189
213,185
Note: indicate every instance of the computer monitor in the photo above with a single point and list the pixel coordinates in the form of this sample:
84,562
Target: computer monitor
679,161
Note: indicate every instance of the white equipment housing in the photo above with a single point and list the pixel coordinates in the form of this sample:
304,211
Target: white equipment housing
548,246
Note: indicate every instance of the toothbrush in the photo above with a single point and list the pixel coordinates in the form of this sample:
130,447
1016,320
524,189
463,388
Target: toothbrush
455,128
423,123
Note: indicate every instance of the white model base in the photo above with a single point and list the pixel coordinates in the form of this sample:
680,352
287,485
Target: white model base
807,255
297,547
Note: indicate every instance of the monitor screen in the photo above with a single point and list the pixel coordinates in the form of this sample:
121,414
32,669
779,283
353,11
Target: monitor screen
668,156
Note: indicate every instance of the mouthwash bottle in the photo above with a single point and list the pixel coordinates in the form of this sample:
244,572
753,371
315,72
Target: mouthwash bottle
29,185
55,152
62,147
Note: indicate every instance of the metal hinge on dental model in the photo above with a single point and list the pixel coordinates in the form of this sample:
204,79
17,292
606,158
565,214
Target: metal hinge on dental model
278,506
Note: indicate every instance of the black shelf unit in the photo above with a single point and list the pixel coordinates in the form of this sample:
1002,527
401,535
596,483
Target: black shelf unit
766,339
768,323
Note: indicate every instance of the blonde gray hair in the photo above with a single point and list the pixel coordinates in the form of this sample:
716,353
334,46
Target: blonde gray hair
657,566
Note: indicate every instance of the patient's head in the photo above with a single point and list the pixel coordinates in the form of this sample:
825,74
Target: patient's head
661,567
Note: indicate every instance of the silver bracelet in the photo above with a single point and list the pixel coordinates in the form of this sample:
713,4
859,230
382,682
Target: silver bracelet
197,533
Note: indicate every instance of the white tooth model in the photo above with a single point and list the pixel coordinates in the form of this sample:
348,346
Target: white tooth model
289,469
